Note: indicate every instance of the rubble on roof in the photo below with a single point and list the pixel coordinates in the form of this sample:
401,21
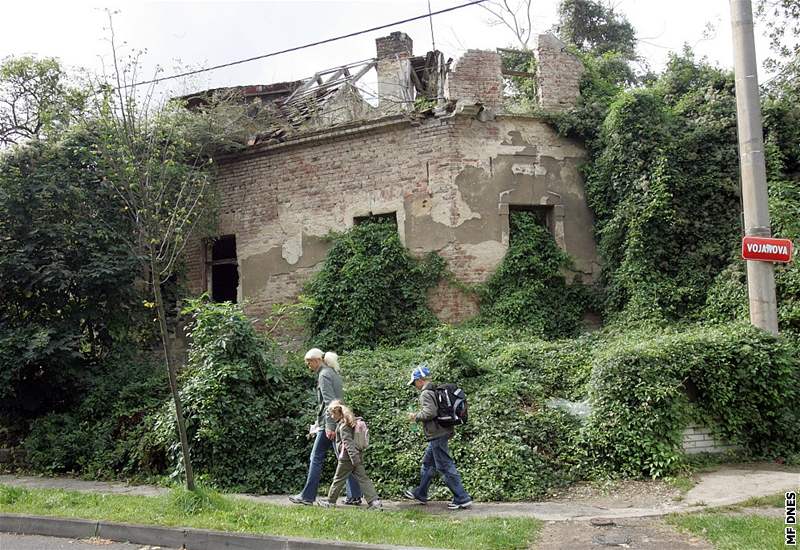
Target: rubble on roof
327,98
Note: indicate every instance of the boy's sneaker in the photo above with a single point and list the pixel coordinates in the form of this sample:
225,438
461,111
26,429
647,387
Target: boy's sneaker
409,494
353,501
375,505
462,506
298,499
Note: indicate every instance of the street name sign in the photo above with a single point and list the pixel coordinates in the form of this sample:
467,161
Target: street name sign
765,249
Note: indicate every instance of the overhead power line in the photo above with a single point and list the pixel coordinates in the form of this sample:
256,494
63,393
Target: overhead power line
304,46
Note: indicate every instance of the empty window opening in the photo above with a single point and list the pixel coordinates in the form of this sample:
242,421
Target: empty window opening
224,269
542,213
518,68
388,217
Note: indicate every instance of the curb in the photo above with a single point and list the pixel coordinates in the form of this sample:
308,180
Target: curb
174,537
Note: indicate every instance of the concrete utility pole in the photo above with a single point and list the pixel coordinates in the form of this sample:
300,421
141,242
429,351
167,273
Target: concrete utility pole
760,275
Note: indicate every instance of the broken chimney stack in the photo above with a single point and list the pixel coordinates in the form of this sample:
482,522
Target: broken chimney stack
395,89
559,74
476,79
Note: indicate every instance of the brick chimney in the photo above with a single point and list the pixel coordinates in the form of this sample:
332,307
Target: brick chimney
395,90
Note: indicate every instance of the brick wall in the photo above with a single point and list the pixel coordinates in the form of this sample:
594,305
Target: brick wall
444,177
476,76
699,439
558,75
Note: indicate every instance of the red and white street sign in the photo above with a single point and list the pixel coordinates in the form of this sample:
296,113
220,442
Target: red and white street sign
766,250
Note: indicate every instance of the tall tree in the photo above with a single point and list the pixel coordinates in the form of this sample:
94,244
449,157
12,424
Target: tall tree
594,27
68,292
156,155
36,98
782,20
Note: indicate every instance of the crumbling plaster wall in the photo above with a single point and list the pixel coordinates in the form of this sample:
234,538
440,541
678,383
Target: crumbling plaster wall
450,181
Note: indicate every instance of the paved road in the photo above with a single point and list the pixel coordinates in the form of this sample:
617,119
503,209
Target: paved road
32,542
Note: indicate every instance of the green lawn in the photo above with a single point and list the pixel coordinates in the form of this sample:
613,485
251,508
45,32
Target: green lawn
778,500
729,532
210,510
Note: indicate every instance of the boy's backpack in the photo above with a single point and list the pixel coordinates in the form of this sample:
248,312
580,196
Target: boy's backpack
361,434
452,402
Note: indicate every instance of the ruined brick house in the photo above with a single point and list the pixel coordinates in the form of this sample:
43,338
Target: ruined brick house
448,173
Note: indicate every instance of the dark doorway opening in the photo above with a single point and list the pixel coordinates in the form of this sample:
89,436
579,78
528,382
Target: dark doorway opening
224,269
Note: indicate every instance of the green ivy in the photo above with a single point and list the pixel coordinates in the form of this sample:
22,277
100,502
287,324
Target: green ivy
370,290
246,417
528,289
513,448
746,383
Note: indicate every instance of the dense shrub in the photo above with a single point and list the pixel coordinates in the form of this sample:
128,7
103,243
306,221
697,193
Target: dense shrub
528,289
68,295
742,381
103,436
370,290
514,446
246,417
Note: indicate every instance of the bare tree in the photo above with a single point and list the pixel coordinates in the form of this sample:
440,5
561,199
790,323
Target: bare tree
516,17
157,157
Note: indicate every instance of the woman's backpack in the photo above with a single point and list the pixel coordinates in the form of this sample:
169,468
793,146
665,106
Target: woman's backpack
452,402
361,434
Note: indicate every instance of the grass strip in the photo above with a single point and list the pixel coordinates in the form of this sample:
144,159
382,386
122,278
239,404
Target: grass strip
209,510
734,532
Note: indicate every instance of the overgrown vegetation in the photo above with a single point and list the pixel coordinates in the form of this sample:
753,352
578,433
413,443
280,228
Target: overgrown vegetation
104,435
370,290
246,417
528,289
646,389
80,386
68,297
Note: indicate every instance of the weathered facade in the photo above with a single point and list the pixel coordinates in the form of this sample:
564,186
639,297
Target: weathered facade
450,178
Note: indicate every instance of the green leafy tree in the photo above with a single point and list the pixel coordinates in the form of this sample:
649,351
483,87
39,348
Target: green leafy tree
36,99
591,26
68,277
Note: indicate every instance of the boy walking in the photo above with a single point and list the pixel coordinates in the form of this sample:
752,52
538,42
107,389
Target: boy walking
437,456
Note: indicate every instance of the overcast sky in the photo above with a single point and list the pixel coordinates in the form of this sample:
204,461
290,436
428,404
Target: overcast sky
197,34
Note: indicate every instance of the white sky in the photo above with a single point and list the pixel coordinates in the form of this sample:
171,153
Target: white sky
196,34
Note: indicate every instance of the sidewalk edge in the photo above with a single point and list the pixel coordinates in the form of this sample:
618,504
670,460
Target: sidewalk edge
177,537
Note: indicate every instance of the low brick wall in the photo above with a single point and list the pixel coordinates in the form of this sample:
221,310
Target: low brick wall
699,439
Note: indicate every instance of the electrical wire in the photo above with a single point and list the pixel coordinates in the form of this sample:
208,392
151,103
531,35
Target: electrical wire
304,46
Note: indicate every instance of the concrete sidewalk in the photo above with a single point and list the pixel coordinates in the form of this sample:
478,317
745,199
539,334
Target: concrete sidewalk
723,487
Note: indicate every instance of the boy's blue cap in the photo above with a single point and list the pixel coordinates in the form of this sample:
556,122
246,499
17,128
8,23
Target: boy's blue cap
420,371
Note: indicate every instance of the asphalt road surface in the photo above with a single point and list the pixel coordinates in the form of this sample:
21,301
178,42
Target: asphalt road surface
34,542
